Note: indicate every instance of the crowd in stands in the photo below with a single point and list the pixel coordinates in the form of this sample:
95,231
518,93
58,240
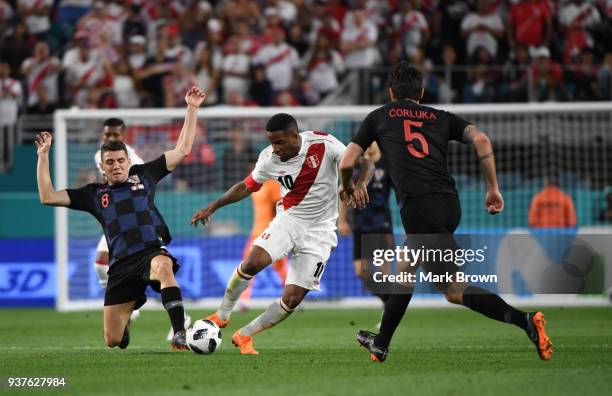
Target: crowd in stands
145,53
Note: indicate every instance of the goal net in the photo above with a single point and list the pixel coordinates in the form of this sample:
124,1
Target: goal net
532,143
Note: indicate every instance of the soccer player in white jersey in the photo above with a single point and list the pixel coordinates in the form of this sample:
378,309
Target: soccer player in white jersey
306,166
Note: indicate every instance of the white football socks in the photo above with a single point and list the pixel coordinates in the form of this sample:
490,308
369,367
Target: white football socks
238,282
274,314
102,273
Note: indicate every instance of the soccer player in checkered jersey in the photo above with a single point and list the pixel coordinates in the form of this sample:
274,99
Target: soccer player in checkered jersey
306,166
134,228
414,139
113,129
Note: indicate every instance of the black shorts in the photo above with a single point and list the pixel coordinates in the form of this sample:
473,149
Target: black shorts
430,221
431,214
380,239
128,279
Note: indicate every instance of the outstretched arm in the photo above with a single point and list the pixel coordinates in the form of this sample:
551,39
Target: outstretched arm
194,99
237,192
494,202
46,191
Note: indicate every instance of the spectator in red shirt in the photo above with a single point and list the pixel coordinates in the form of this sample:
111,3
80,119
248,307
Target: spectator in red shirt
530,24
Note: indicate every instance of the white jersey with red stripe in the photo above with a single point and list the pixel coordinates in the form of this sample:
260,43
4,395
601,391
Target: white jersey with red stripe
309,181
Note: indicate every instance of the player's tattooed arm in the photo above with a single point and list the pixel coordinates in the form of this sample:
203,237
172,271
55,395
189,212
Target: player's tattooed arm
366,172
469,133
485,156
237,192
360,197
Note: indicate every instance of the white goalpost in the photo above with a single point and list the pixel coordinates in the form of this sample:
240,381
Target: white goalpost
532,141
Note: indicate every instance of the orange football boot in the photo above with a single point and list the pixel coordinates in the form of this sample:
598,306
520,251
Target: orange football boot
245,343
217,320
537,334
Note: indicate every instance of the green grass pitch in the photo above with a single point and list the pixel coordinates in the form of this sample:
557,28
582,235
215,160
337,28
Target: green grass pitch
435,351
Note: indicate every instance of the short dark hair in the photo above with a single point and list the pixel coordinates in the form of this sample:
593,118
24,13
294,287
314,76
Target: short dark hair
282,122
406,81
114,145
114,122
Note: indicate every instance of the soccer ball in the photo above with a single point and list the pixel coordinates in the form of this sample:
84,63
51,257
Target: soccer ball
203,337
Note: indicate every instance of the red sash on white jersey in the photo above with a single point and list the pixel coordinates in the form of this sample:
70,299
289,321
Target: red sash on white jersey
38,79
84,79
307,176
87,75
278,58
363,34
581,18
316,62
410,23
253,45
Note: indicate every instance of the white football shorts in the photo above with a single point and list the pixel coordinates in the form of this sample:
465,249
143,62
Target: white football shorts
310,249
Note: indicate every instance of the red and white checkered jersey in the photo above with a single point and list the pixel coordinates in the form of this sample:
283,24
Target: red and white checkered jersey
309,181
